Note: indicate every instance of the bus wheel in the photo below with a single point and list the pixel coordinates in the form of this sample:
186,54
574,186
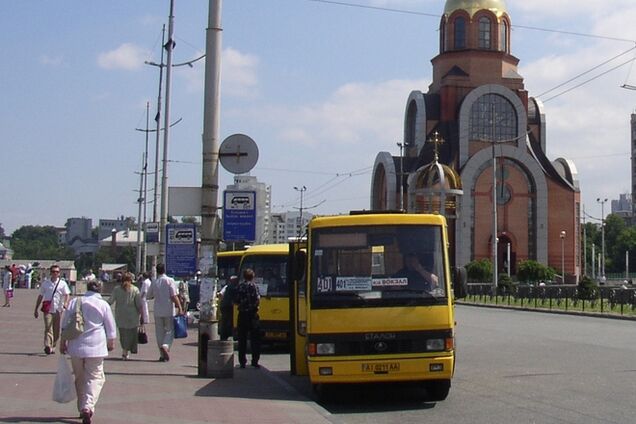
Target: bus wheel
437,390
319,391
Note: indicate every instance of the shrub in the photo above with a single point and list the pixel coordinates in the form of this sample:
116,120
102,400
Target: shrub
588,290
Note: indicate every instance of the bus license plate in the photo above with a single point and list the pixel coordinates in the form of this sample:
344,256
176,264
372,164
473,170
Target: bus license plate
383,368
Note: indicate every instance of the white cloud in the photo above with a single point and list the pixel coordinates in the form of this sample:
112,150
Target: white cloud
128,57
51,60
239,74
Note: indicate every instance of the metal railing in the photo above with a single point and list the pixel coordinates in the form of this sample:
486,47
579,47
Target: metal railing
614,300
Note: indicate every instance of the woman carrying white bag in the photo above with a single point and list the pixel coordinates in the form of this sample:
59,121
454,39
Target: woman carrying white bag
89,349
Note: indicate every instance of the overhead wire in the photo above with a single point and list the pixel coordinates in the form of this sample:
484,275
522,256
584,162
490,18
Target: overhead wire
527,27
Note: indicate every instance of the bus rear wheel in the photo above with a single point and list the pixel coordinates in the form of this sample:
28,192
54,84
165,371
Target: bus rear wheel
437,390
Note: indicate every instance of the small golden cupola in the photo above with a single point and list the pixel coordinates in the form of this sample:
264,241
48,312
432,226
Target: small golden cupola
498,7
435,187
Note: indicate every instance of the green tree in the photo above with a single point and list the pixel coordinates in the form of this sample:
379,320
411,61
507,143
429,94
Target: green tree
614,227
532,271
39,242
2,235
479,271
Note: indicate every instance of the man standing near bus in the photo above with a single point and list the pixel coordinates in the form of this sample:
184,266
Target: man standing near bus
248,300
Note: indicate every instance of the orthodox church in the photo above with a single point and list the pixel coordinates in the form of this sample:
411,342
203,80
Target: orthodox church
474,150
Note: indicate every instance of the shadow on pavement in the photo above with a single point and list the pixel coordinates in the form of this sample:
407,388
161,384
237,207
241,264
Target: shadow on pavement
68,420
251,383
360,398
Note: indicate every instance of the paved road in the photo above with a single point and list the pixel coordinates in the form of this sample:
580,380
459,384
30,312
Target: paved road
513,367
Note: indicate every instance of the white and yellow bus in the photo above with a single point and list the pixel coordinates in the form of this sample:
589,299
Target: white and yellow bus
373,301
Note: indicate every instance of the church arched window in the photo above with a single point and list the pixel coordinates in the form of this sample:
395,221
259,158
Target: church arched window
460,33
493,117
484,33
503,36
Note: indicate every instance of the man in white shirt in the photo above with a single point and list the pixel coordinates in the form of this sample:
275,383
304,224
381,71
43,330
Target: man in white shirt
54,292
164,291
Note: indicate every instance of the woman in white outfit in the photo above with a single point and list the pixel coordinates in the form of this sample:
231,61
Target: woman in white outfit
89,349
143,291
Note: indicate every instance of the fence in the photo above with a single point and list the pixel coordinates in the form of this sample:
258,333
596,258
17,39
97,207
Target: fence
615,300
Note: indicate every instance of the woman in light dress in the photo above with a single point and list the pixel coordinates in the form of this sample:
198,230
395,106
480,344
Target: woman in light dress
128,308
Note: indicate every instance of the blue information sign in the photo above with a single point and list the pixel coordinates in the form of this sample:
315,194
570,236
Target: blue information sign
239,215
181,249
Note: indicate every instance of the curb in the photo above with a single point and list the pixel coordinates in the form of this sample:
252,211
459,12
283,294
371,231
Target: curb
549,311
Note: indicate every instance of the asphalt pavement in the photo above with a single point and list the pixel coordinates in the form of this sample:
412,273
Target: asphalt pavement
143,390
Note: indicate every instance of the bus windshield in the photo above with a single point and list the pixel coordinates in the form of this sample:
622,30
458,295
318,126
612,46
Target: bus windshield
227,266
380,265
271,273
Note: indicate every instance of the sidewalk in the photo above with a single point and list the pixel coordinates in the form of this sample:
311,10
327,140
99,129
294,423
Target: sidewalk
141,390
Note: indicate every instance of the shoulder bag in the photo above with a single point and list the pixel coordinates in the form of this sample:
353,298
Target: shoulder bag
75,326
46,304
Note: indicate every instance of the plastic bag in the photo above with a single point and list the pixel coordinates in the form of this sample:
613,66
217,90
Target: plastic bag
64,386
180,327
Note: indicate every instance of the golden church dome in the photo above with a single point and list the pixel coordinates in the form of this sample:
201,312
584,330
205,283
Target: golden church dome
498,7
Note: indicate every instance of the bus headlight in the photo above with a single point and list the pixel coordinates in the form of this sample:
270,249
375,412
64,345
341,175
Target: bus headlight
435,344
325,348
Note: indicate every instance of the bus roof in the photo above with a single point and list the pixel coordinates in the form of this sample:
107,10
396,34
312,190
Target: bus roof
377,219
268,249
230,253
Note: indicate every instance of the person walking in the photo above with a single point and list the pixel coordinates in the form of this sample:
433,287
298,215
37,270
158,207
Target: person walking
89,349
248,300
7,286
128,309
54,295
228,294
184,294
143,291
164,291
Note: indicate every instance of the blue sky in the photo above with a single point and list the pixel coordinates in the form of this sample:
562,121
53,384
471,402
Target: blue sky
320,87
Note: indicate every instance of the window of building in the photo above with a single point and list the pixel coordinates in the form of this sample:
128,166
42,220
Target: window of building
460,33
484,33
503,36
492,117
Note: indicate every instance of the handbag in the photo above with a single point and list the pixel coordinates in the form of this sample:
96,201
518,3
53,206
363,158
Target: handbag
64,386
9,293
142,337
46,304
75,325
180,326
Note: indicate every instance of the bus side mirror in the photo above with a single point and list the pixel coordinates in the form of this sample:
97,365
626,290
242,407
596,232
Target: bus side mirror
460,284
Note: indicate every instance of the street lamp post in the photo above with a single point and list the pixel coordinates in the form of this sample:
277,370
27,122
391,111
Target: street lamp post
562,235
401,175
602,265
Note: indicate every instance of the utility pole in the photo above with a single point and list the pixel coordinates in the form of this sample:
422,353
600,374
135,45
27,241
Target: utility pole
169,46
210,150
140,200
158,122
494,201
602,265
302,191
